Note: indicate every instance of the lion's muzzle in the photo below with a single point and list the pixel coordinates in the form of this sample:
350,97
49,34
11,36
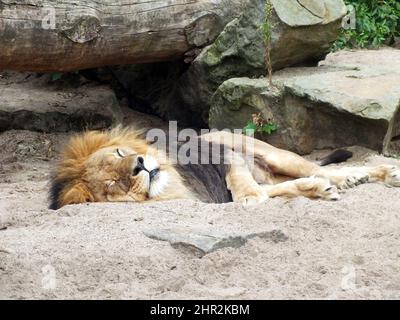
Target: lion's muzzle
146,164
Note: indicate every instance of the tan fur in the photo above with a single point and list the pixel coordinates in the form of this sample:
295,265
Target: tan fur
284,173
92,170
95,174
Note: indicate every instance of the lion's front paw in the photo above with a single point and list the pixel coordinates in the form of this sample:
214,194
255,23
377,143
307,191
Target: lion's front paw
350,180
253,198
392,175
317,188
327,192
356,179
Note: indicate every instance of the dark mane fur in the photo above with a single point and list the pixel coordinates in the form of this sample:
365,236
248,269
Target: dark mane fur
56,187
207,180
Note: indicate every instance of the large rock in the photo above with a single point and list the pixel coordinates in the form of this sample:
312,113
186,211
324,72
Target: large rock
34,102
300,13
351,98
203,241
304,31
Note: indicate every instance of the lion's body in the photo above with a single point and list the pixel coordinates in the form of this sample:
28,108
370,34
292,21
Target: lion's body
118,165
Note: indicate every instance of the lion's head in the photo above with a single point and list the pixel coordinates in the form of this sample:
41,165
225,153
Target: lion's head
115,165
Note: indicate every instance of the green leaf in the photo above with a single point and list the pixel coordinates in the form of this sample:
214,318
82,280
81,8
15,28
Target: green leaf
269,128
376,22
250,128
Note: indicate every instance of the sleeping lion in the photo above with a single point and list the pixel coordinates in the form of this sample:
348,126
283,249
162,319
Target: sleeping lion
120,165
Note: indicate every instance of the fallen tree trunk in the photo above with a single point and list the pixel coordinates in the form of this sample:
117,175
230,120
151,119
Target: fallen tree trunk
45,35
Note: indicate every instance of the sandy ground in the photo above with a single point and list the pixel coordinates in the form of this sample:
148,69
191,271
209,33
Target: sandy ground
335,250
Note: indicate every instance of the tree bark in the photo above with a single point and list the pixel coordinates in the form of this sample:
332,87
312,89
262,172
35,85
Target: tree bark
66,35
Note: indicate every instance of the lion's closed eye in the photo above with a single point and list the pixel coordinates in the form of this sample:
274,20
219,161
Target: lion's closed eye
110,184
123,153
120,153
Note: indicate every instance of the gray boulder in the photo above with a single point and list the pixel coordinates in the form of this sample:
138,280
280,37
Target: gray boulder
33,102
304,31
351,98
300,13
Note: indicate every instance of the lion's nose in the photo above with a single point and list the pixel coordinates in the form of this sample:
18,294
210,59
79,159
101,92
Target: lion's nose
139,166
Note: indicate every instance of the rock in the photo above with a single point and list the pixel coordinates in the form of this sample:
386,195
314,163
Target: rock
7,251
206,241
300,13
351,98
299,36
396,43
35,103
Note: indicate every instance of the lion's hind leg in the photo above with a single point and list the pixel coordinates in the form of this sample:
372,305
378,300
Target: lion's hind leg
387,174
241,183
349,177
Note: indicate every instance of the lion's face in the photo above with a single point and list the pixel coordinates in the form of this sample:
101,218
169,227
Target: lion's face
115,165
120,173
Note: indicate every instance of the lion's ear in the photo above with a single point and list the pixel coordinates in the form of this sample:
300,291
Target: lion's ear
79,193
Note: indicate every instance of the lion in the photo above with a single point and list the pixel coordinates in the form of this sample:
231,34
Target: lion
119,165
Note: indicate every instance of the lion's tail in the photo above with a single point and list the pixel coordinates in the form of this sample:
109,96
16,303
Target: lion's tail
336,157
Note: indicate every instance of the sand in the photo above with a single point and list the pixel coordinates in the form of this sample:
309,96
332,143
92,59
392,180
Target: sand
348,249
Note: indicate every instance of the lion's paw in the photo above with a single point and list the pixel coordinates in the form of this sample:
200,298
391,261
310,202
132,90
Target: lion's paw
317,188
356,179
253,199
327,192
351,180
392,175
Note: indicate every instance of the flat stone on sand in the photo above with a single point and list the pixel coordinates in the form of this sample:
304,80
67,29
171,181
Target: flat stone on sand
206,241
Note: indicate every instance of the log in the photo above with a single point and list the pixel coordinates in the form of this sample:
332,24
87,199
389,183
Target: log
55,35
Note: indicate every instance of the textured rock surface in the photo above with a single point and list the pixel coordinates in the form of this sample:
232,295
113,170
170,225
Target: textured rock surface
352,98
32,102
205,241
296,13
239,51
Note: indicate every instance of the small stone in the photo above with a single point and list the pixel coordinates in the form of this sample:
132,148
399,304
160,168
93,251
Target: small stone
7,251
358,260
322,270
